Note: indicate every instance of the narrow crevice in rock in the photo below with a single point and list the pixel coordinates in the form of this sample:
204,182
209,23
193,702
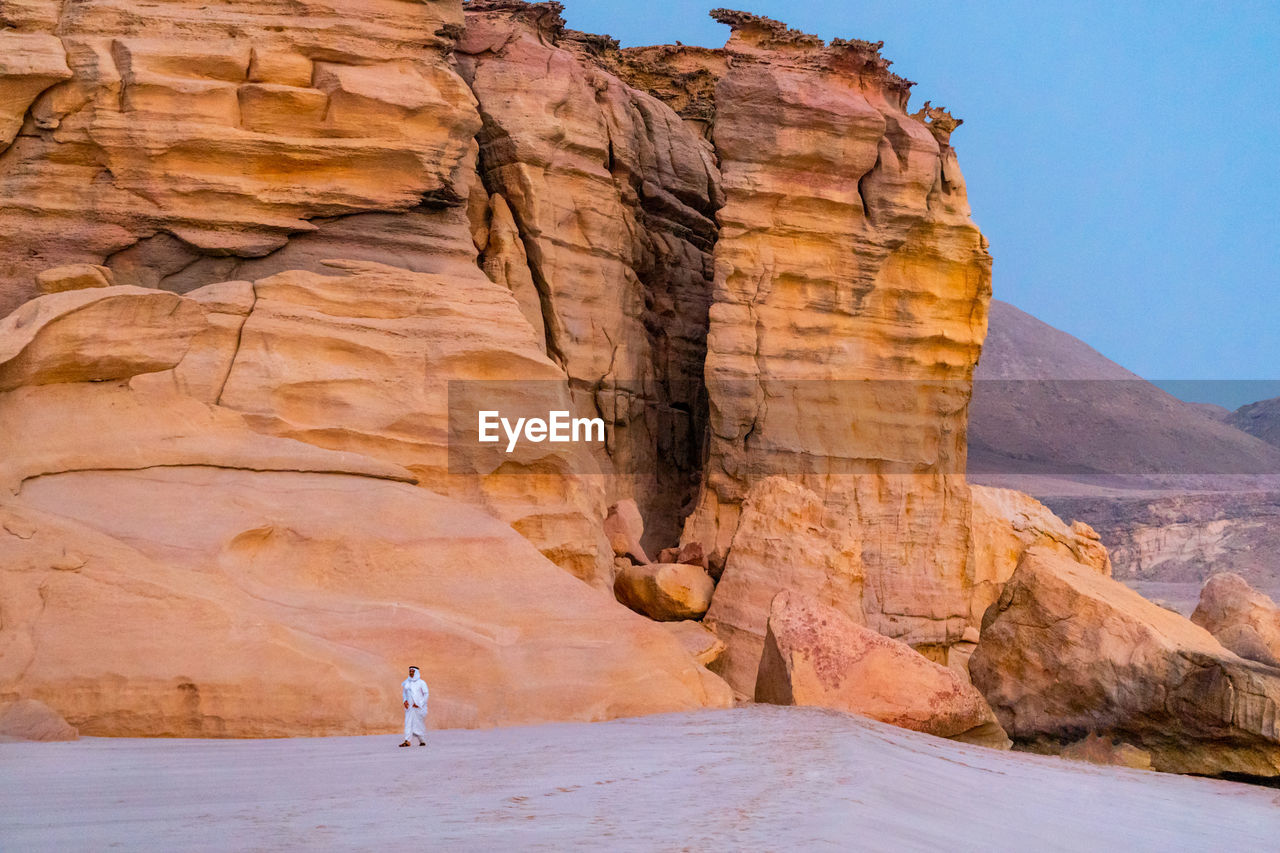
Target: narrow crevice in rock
231,364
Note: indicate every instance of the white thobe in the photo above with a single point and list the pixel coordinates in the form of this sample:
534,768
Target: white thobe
415,693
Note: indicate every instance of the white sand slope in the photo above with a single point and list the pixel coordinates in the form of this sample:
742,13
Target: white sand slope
761,778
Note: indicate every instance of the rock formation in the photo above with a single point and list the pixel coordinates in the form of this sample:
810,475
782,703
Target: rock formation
265,267
1067,651
246,569
1244,620
849,305
614,200
815,655
180,131
29,719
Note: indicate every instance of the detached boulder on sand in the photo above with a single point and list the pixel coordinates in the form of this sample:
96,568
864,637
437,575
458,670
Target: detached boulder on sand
815,655
1244,620
30,719
1066,651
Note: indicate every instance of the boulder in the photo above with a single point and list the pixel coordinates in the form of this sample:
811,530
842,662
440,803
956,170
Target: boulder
31,719
816,655
74,277
96,335
1066,651
698,640
665,591
1006,523
1244,620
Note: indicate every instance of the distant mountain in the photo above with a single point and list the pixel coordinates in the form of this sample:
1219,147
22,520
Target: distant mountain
1261,419
1020,346
1175,490
1048,403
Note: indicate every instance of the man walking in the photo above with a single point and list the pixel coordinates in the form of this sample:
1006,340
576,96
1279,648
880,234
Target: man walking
415,707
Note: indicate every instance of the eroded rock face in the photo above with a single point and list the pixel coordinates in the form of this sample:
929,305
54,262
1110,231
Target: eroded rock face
362,362
1244,620
95,335
614,199
850,304
1067,651
785,539
249,568
815,655
181,129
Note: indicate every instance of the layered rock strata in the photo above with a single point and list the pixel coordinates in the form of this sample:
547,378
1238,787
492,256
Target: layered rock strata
180,131
246,569
850,304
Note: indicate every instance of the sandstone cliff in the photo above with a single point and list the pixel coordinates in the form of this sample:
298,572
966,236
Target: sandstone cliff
284,258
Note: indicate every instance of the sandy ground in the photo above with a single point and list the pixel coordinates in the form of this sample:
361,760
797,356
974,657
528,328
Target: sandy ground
758,778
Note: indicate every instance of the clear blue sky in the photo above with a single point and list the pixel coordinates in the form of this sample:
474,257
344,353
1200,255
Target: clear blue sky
1122,157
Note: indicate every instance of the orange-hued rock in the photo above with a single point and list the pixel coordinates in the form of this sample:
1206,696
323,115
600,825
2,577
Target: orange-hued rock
851,290
95,335
74,277
362,362
698,640
613,198
1005,524
290,603
1067,651
666,592
785,539
30,62
181,130
1244,620
816,655
30,719
169,571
